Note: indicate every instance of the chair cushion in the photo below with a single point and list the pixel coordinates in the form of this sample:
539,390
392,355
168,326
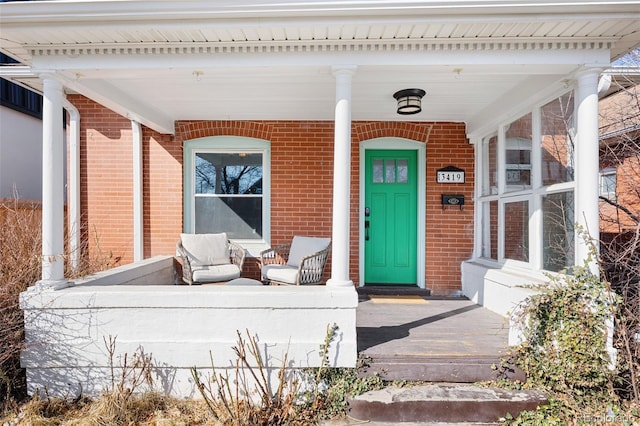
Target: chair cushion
282,273
304,246
206,249
215,273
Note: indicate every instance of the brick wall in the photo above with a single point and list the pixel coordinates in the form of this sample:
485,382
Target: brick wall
301,178
449,232
623,157
106,194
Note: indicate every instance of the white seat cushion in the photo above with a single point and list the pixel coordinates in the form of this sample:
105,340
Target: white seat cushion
282,273
304,246
206,249
215,273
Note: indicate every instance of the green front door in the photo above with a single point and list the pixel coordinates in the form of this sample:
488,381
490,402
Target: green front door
390,217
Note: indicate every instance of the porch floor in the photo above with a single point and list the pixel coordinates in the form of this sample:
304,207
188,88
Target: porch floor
408,335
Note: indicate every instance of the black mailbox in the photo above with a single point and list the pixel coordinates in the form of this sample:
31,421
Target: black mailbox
452,200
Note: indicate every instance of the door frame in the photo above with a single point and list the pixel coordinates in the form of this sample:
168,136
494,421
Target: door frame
393,143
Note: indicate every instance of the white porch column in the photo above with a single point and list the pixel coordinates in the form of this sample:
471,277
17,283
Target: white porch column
341,178
52,186
587,163
73,183
138,224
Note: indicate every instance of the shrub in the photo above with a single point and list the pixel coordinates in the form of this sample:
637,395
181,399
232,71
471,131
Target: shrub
21,267
247,396
567,329
296,397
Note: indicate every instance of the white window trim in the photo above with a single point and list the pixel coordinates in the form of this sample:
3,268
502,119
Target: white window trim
533,195
228,144
607,172
486,190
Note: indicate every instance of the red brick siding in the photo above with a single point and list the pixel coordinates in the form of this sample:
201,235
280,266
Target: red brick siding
106,152
624,159
105,179
449,232
162,176
301,178
555,143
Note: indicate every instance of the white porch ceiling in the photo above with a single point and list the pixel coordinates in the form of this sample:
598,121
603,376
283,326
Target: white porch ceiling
157,62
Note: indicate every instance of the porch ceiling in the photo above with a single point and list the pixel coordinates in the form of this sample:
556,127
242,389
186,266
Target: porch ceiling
251,59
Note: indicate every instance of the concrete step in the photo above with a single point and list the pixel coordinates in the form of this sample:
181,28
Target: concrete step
442,403
450,369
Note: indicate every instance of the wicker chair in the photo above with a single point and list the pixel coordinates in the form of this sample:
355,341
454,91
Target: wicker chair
297,263
209,258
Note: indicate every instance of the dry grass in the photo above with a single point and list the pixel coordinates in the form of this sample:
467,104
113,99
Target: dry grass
148,409
245,398
20,267
128,400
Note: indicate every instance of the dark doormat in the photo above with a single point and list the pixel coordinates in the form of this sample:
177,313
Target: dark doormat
393,290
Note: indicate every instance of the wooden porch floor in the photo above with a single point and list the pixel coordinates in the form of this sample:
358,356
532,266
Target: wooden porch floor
418,337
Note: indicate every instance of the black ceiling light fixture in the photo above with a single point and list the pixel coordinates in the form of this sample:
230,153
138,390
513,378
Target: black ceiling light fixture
409,101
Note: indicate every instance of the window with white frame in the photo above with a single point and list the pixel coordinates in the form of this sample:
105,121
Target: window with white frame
489,233
517,154
557,230
227,188
228,193
527,212
556,142
490,175
608,182
515,241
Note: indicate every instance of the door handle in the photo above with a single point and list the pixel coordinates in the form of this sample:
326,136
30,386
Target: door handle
366,230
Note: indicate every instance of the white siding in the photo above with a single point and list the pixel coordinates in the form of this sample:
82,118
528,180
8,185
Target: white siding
20,155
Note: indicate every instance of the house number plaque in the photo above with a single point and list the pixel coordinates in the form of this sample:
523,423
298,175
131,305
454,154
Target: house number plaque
450,175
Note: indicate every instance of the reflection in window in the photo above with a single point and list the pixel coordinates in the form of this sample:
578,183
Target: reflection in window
556,142
518,168
516,231
228,194
490,157
558,231
228,173
490,230
518,154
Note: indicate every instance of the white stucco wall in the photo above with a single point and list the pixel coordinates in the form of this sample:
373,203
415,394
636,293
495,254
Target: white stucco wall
20,155
179,326
498,290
